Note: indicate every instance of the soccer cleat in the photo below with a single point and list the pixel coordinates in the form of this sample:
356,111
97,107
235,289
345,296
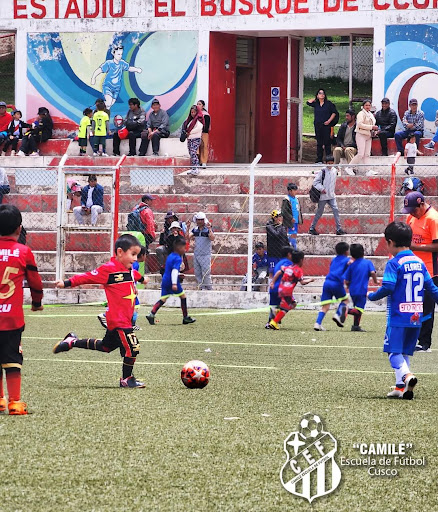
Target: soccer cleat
274,325
357,328
188,320
318,327
151,318
136,328
312,231
410,383
338,321
131,382
3,404
395,393
66,344
102,319
17,408
430,145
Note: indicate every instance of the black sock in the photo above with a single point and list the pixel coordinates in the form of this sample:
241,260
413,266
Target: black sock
157,306
128,366
90,344
184,306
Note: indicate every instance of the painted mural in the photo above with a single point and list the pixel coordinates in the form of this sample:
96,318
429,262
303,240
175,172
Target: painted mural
411,69
67,72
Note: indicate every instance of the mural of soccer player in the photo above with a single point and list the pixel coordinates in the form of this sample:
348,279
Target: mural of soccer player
114,69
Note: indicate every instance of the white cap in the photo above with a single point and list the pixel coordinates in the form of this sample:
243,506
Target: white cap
201,216
175,224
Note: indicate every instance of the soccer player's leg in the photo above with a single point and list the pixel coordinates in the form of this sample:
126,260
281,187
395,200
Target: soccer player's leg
409,379
393,346
3,402
357,311
341,313
186,318
129,350
11,359
326,300
72,341
286,304
274,303
166,291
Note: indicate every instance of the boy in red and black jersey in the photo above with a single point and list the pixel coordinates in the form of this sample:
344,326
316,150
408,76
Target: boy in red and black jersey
290,276
118,280
16,264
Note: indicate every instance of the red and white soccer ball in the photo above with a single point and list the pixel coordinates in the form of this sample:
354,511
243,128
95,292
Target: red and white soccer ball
195,374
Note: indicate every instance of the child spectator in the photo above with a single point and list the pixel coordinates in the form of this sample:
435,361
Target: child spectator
117,278
4,184
291,211
15,132
290,275
334,287
41,131
404,281
16,264
171,285
411,151
356,279
83,129
73,189
99,129
5,120
260,267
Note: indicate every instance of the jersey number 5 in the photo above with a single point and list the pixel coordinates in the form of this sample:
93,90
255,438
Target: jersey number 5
413,291
8,282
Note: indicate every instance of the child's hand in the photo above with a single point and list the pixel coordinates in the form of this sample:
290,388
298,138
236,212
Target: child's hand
59,284
39,308
145,279
174,287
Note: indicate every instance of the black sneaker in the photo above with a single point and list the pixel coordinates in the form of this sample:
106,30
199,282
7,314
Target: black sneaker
154,154
313,231
188,320
116,154
66,344
357,328
341,232
131,382
132,154
151,318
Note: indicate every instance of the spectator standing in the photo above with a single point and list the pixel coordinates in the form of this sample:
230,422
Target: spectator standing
203,150
166,242
157,128
413,124
434,141
324,114
411,151
134,122
99,129
203,237
365,124
423,220
41,131
325,182
4,184
15,132
142,220
386,120
291,212
84,126
193,126
91,201
346,140
276,239
5,121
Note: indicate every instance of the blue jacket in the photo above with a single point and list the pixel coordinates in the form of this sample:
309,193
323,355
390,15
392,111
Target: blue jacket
97,195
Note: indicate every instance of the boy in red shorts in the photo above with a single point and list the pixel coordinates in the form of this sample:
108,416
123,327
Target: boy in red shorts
16,264
290,276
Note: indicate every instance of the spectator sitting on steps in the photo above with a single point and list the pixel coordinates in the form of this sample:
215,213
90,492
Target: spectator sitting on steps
134,122
386,120
346,141
157,127
5,120
91,201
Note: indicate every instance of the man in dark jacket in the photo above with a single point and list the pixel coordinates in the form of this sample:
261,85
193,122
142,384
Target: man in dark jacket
276,235
386,120
91,201
157,128
134,122
346,139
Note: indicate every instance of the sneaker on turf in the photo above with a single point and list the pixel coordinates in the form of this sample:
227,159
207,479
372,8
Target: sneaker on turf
17,408
3,404
395,393
151,318
357,328
131,382
410,383
318,327
420,348
338,321
430,145
274,325
66,344
102,319
136,328
189,320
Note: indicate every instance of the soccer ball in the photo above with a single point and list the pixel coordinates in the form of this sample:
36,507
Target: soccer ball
310,426
195,374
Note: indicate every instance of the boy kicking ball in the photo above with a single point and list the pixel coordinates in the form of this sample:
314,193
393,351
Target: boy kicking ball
118,280
171,285
404,282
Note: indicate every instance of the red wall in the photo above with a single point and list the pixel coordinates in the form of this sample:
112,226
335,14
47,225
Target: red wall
221,103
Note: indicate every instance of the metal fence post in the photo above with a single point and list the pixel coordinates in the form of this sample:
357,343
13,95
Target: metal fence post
251,219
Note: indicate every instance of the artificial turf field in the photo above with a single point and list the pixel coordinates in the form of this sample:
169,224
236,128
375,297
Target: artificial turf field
90,446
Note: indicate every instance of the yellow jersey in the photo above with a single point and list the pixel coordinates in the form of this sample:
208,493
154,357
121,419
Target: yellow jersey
83,125
100,118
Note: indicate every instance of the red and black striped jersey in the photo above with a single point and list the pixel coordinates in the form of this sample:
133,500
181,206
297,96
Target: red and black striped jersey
17,263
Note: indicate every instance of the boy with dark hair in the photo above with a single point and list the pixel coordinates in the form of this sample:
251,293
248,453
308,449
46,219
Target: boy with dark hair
118,280
16,264
404,282
83,131
356,279
99,129
290,276
259,268
334,287
171,284
15,132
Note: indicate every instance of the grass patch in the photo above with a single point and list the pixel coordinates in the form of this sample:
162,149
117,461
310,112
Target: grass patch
91,446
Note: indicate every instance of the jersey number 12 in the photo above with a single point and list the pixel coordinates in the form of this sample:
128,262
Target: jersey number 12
413,290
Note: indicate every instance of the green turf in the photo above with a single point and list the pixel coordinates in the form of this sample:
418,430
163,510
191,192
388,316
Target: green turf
90,446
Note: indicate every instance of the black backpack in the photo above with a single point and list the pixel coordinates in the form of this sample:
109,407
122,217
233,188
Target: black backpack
134,220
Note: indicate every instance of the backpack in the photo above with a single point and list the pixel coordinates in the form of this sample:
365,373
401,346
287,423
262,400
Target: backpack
412,185
314,193
134,220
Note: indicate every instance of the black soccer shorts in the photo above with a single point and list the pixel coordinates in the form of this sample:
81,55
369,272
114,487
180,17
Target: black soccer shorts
11,354
123,339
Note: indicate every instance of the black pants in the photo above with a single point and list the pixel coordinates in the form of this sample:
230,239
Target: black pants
425,338
384,136
155,142
323,141
28,144
11,142
4,189
132,137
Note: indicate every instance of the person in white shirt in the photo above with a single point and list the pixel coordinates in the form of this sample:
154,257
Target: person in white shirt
365,125
411,151
193,125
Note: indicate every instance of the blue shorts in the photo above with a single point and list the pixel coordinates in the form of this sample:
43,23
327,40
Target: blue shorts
359,302
401,340
166,290
274,299
111,90
293,230
272,263
330,290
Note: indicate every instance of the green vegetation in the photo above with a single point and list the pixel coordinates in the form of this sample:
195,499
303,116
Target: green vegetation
7,80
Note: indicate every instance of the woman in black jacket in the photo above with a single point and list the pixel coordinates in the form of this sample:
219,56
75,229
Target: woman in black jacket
325,114
41,131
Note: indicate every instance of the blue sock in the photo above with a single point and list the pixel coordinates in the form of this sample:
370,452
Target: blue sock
293,242
320,317
134,317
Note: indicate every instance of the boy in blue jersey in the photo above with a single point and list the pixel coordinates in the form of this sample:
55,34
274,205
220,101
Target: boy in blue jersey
356,279
260,266
171,285
404,282
274,299
334,287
